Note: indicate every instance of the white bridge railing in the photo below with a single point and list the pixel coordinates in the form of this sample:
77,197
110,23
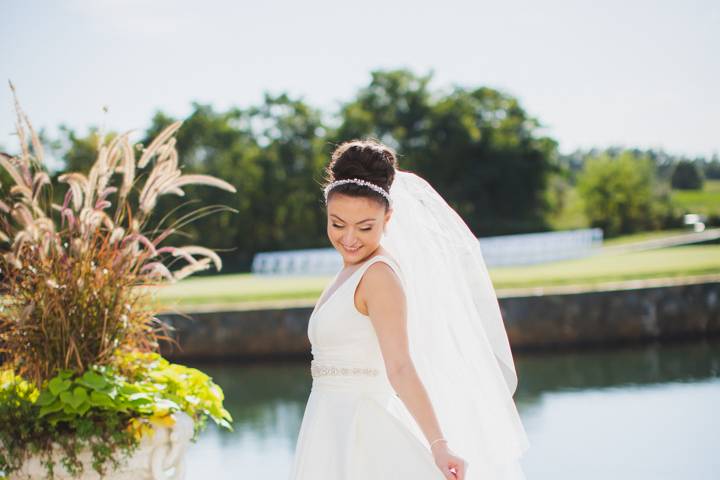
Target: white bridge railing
503,250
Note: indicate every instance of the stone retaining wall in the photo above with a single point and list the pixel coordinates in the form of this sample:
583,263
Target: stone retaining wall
532,322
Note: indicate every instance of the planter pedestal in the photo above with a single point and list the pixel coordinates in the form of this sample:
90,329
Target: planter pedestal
158,457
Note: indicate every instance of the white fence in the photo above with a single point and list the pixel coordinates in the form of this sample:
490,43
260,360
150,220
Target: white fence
503,250
313,261
531,248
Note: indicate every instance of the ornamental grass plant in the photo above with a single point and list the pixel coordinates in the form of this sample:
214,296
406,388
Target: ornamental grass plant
78,325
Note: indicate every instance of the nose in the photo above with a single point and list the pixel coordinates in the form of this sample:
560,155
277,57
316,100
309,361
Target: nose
348,238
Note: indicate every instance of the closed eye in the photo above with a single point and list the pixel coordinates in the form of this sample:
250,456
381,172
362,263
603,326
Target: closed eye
363,229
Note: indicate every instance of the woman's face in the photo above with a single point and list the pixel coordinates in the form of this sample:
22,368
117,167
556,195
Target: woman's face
355,225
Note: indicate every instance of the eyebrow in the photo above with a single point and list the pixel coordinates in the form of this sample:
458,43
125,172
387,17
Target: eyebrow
361,221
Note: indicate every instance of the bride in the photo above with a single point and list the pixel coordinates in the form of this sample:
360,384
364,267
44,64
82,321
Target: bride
412,373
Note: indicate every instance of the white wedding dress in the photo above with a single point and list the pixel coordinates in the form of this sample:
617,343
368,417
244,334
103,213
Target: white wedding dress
355,427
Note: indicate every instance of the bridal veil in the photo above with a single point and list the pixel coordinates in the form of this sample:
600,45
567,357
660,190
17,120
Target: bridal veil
457,337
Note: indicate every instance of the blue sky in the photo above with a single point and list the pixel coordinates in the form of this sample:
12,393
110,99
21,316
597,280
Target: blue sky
641,73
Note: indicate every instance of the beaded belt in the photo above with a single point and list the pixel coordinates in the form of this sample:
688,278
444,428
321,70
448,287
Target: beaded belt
320,370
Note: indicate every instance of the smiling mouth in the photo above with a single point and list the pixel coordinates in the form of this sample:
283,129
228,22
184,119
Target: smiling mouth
351,249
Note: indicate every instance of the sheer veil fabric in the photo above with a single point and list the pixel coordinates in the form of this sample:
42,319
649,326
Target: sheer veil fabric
457,337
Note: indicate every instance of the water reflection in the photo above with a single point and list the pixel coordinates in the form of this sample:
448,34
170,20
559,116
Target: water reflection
632,412
617,367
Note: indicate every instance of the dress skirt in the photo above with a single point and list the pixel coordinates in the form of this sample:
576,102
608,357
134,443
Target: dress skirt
348,434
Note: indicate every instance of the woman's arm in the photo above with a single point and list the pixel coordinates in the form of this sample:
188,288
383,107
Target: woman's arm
381,293
380,296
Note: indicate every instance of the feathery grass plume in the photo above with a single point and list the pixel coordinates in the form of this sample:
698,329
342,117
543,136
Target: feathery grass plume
74,275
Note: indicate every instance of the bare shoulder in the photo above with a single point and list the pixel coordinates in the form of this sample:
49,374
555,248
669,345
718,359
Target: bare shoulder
379,285
381,271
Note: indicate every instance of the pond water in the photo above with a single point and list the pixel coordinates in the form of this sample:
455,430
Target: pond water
641,412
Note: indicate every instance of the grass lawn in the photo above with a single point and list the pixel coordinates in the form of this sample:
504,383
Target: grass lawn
666,262
243,287
705,201
642,236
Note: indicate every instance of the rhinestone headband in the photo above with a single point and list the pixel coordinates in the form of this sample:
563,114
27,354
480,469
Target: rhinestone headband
358,181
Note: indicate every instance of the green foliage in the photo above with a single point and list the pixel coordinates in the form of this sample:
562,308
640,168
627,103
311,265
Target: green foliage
32,428
79,152
687,176
73,297
273,153
712,168
171,387
620,194
106,409
478,146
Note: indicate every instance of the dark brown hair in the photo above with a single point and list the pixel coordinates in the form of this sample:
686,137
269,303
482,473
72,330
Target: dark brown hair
366,159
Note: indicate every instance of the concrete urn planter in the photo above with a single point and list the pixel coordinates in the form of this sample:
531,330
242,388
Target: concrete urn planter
160,456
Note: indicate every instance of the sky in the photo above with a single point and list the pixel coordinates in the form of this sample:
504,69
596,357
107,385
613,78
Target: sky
640,74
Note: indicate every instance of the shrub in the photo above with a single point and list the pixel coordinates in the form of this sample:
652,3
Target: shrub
73,273
77,324
107,409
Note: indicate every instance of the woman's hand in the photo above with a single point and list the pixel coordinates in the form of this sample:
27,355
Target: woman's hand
452,466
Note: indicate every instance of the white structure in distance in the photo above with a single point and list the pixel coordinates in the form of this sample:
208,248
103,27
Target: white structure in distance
498,251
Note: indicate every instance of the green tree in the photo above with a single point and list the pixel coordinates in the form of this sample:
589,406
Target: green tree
79,152
396,108
687,176
712,167
272,154
289,198
479,148
621,195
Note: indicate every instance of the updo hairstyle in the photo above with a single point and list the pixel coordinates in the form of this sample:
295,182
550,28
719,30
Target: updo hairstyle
367,160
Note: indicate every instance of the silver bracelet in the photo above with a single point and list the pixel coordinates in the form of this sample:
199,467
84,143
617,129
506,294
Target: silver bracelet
437,440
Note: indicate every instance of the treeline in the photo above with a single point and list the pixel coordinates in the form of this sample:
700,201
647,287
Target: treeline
681,171
477,146
625,190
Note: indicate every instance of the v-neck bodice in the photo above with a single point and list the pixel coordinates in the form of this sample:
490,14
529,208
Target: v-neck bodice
329,292
339,334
